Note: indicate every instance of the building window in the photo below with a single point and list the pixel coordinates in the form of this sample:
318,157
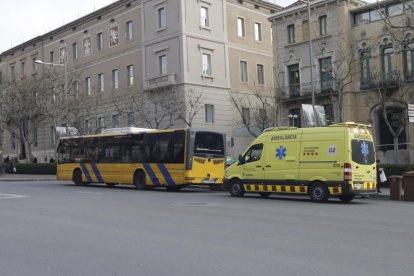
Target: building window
395,9
246,115
323,28
206,67
294,80
12,72
291,33
130,118
305,30
260,74
34,65
162,23
88,86
204,17
22,68
325,67
101,82
115,121
240,27
209,113
87,126
75,88
409,63
162,63
99,41
115,79
75,50
329,113
51,56
13,141
130,75
101,124
365,78
52,135
387,62
35,142
243,71
257,31
129,31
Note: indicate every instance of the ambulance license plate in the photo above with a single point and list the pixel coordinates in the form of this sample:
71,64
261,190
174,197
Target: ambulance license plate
358,186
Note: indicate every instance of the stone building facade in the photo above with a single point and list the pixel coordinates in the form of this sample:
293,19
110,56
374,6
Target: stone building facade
360,65
144,45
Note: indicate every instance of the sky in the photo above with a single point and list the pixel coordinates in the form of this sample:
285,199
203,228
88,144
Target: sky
23,20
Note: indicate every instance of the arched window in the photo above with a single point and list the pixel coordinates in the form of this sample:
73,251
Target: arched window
409,62
366,75
387,62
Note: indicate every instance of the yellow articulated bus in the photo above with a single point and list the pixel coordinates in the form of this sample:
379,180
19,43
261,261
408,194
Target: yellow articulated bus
322,162
144,158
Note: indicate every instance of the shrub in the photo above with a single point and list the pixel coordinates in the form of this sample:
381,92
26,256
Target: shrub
30,168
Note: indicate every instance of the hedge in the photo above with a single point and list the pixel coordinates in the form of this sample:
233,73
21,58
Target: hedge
30,168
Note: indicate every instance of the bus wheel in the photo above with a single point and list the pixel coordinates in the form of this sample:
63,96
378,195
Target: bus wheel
77,177
236,188
264,194
111,185
346,198
318,192
139,180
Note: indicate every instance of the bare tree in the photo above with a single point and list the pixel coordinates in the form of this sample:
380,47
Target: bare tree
21,112
258,109
191,106
339,74
391,97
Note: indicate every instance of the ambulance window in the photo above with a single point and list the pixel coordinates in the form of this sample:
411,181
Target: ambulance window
254,153
363,152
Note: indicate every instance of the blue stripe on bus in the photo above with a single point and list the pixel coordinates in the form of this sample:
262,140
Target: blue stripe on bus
151,174
86,172
97,173
166,174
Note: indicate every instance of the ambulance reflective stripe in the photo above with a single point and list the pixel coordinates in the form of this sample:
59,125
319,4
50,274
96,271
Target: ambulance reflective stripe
365,186
97,173
335,190
276,188
151,174
86,172
166,175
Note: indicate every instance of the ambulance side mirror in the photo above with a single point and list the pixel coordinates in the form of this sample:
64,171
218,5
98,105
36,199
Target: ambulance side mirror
241,160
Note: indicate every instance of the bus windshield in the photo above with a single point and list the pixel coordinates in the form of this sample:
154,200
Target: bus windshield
363,152
208,143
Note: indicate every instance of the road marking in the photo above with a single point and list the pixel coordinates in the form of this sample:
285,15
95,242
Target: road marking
5,196
92,193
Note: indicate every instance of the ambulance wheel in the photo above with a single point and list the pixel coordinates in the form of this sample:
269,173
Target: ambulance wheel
236,188
139,180
264,195
346,198
318,192
77,178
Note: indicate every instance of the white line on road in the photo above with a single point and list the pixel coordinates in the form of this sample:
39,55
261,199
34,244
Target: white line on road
5,196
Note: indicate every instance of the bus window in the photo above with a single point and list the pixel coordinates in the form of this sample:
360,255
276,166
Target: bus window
208,143
178,147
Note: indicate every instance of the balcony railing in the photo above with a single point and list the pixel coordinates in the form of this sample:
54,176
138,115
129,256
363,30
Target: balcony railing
160,82
304,90
387,80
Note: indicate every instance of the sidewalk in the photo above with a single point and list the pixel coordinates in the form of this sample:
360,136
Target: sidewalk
27,177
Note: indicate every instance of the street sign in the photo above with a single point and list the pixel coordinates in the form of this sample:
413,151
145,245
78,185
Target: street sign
411,113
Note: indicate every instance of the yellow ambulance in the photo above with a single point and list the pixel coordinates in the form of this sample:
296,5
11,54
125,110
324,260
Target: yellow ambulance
322,162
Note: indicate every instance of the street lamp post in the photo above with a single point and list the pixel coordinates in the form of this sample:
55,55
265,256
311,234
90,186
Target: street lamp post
38,61
293,117
310,57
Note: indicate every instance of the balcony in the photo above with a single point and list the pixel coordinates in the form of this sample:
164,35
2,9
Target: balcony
386,80
304,90
160,82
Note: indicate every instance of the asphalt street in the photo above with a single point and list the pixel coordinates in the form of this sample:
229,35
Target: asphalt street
56,228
